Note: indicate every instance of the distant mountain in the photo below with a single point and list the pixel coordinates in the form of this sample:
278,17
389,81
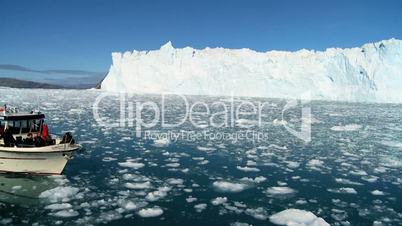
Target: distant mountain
17,83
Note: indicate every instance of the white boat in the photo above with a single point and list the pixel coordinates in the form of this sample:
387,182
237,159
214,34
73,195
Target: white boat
25,148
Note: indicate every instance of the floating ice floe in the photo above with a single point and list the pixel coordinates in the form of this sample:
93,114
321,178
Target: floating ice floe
158,194
150,212
160,143
130,205
296,217
377,192
346,128
65,213
200,207
139,186
240,224
347,182
390,143
248,169
191,199
175,181
342,190
17,187
133,165
226,186
257,180
370,178
58,206
246,123
58,194
219,201
258,213
276,191
292,165
277,122
173,165
108,159
315,163
206,149
391,162
358,173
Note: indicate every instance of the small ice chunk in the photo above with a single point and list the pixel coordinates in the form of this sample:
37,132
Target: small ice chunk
258,213
160,143
191,199
175,181
377,192
144,185
133,165
248,169
315,163
130,206
257,180
150,212
346,128
58,206
343,190
66,213
200,207
280,191
226,186
59,194
219,201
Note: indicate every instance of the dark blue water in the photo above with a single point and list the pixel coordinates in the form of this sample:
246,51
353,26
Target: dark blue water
349,174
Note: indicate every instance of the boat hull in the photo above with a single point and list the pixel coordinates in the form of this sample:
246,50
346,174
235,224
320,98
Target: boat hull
48,161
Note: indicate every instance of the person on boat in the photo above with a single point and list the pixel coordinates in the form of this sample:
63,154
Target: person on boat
67,139
1,132
39,141
29,140
9,140
46,135
45,131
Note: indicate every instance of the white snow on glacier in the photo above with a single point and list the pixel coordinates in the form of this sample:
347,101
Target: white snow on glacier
371,73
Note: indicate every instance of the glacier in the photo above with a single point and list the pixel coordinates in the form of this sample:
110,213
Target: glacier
370,73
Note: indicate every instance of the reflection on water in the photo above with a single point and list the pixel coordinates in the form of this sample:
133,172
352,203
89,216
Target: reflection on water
23,190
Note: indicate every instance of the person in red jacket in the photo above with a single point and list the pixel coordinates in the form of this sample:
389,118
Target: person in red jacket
45,132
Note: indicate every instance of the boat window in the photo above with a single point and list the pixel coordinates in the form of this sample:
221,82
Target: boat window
34,125
14,126
24,126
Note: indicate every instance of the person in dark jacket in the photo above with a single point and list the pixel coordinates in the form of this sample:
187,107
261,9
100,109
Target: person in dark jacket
1,132
29,140
9,140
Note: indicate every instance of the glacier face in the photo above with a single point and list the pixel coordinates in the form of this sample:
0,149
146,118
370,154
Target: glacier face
371,73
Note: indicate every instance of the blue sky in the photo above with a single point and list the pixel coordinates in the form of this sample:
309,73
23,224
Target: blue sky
80,35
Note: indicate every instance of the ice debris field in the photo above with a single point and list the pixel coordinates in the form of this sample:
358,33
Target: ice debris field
349,174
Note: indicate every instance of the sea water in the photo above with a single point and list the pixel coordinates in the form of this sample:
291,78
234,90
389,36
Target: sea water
348,174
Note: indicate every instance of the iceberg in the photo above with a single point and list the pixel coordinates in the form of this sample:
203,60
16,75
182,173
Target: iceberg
370,73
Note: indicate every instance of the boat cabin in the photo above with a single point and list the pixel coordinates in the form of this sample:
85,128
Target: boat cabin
23,129
21,124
